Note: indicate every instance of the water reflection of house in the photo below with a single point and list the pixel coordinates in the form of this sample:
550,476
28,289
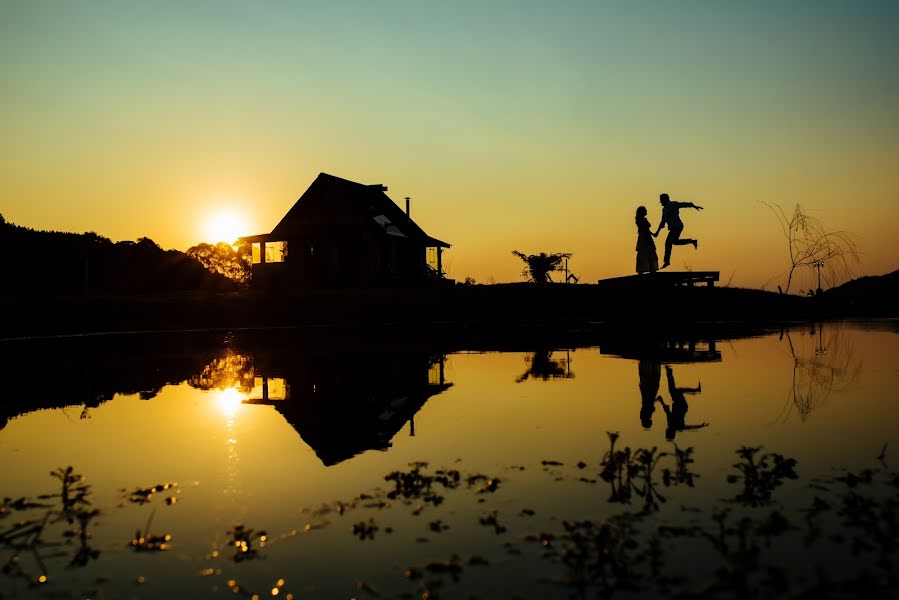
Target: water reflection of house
342,405
345,233
688,350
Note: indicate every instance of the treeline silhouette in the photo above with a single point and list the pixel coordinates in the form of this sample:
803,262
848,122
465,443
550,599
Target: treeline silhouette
54,262
870,295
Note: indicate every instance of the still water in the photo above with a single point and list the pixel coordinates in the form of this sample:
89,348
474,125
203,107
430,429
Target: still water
276,466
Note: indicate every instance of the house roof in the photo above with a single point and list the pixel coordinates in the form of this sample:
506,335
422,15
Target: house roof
331,201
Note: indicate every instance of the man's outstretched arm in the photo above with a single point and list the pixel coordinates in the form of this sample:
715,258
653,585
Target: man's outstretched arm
661,224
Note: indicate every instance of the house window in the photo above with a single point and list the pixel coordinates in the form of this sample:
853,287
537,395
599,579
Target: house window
257,253
270,388
436,371
275,252
432,258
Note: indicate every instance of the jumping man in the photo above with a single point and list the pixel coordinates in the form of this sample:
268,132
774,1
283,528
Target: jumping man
671,218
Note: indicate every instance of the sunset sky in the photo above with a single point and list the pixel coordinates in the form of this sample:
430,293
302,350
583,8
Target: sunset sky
535,126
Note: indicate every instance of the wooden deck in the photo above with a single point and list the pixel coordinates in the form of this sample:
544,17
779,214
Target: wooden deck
667,278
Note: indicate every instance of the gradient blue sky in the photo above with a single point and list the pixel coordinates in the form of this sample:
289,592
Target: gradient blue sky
513,125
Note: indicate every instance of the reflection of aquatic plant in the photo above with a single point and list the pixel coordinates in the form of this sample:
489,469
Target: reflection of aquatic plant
761,474
244,540
632,473
632,553
482,483
491,519
75,493
230,370
144,495
601,555
8,505
872,518
429,576
77,510
824,362
277,588
415,484
28,535
85,552
541,366
681,473
742,573
146,542
365,530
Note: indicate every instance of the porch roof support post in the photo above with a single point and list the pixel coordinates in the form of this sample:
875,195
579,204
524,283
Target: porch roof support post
439,261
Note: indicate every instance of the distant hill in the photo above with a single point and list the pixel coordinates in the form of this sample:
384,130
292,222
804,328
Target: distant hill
54,262
877,294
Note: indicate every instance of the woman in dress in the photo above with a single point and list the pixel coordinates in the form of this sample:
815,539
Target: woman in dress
647,259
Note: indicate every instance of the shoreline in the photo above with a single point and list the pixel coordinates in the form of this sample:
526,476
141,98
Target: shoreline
483,308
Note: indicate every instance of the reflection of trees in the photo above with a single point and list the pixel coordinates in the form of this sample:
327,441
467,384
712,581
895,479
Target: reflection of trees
230,370
824,362
542,366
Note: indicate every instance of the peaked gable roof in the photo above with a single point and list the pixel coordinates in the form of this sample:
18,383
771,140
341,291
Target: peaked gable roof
331,200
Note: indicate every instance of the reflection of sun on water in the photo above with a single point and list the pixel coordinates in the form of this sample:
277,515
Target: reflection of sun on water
229,402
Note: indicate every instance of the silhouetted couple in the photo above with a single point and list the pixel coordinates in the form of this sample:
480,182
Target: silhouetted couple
647,259
650,374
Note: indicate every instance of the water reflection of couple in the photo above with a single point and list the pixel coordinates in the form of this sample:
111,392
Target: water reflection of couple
647,259
650,377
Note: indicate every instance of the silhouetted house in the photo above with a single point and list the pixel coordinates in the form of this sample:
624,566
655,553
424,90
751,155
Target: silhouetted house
344,233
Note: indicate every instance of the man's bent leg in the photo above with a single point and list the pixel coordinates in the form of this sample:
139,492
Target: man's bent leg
673,239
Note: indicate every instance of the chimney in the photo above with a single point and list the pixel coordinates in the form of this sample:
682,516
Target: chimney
408,213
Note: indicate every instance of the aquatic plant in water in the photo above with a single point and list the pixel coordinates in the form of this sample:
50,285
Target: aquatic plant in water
739,542
761,474
244,540
146,542
632,473
75,509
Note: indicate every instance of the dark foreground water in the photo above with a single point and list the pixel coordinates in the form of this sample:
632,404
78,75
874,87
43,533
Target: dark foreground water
280,467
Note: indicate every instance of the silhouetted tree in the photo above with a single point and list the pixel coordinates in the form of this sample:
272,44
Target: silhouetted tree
811,244
539,266
63,262
234,262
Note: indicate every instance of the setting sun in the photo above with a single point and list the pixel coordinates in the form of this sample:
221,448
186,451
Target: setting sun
224,226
